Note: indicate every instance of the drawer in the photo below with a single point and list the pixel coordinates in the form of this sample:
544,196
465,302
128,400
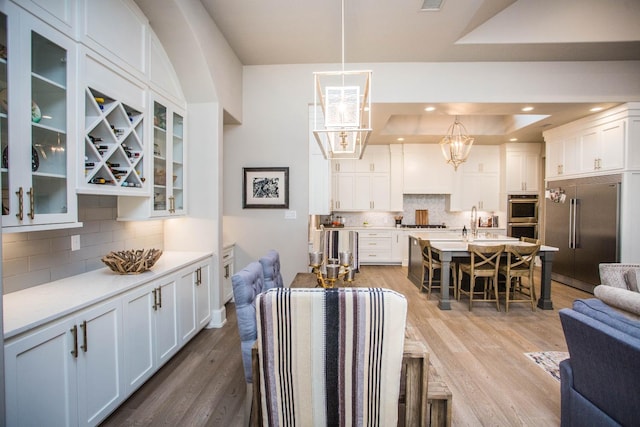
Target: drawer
377,244
373,234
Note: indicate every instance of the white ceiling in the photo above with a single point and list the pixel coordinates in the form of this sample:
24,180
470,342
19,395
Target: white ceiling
309,31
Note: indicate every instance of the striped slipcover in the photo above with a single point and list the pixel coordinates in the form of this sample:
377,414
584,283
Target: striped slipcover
330,357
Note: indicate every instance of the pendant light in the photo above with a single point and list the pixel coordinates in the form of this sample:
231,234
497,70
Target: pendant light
456,144
342,110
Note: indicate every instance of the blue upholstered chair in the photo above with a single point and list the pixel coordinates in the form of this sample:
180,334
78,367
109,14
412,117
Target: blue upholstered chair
247,284
329,357
271,269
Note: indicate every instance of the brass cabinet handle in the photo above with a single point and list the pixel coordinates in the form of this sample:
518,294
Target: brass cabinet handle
172,204
155,299
85,345
74,332
226,271
159,297
199,276
32,212
20,213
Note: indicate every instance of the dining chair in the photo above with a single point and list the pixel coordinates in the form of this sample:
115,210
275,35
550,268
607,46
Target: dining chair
329,357
530,240
271,267
247,284
485,263
430,263
519,264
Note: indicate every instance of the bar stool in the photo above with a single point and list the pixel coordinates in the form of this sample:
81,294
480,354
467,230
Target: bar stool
430,264
485,263
520,262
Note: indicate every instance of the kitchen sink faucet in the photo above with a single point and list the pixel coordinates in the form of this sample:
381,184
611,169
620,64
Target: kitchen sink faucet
474,221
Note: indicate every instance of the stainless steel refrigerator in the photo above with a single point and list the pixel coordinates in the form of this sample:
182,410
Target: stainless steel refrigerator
582,220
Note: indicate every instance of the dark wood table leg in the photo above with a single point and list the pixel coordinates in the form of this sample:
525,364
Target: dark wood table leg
544,302
445,271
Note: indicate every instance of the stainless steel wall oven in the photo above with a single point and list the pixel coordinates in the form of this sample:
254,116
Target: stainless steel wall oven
522,216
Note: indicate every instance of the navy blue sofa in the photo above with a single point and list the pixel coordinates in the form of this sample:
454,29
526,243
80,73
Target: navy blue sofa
600,382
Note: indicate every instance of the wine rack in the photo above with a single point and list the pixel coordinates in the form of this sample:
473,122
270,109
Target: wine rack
114,147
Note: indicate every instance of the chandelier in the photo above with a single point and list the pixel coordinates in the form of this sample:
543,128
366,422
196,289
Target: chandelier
456,144
342,110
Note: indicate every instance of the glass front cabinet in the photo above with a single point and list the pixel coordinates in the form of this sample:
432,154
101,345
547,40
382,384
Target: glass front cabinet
168,167
37,125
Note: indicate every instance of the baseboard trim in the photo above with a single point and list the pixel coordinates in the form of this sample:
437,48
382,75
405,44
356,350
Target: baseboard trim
218,318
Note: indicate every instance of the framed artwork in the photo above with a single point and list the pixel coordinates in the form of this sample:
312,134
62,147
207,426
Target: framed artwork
265,188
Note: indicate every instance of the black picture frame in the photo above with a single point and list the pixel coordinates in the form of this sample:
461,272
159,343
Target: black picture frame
265,188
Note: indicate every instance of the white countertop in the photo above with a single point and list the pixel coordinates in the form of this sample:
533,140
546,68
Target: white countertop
32,307
456,236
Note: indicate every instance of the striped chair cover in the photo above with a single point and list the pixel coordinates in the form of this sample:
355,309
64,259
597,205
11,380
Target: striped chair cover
330,357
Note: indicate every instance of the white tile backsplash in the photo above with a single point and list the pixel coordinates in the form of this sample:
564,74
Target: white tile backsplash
34,258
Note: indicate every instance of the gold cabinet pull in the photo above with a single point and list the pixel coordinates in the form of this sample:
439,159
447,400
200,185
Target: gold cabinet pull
155,299
32,206
159,297
20,213
172,204
74,332
226,271
85,345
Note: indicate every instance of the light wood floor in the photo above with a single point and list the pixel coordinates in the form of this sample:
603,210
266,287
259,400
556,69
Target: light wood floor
479,354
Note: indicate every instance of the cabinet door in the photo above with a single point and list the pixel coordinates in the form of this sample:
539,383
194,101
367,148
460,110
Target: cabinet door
344,188
380,189
40,377
612,138
362,192
177,198
555,158
187,305
590,151
481,191
138,315
425,170
227,272
100,370
39,184
203,295
166,320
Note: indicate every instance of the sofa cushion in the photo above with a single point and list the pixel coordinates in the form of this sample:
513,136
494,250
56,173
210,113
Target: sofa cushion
613,274
271,268
631,279
622,299
608,315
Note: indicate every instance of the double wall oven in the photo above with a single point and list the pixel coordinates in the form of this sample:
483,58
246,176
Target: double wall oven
522,216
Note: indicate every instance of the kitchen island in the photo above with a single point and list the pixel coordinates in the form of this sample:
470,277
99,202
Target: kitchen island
451,245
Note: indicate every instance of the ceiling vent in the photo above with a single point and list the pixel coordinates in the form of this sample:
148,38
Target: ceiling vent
431,5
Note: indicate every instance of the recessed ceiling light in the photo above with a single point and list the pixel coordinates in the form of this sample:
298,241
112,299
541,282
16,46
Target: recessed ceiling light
527,109
430,109
595,109
401,139
431,5
513,139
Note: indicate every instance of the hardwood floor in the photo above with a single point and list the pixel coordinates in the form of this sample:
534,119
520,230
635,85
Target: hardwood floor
479,354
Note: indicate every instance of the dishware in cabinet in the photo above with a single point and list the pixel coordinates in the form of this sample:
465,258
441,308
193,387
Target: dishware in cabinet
168,160
37,186
167,169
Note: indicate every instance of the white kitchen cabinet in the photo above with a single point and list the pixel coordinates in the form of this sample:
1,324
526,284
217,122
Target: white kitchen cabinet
320,184
522,168
167,177
375,246
375,159
425,170
398,243
228,270
477,181
603,147
166,319
595,145
69,372
366,189
38,189
194,300
396,197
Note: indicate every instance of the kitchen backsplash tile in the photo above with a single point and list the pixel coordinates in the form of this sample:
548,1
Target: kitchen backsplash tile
33,258
436,204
